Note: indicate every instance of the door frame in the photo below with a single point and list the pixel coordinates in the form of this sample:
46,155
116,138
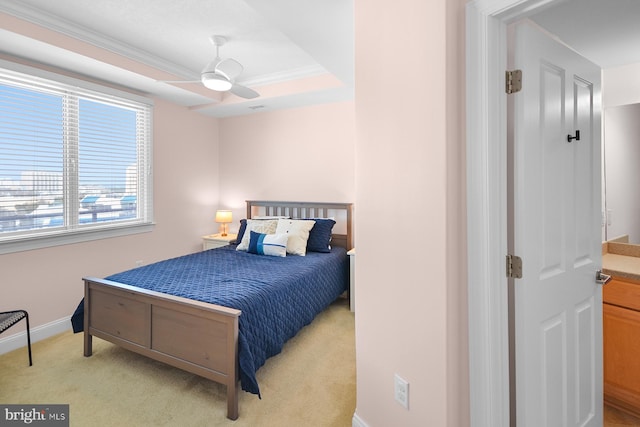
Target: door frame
486,116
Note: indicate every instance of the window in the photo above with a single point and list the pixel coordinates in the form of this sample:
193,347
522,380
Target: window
74,161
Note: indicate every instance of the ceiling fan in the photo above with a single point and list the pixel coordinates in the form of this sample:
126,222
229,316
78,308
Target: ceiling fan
220,74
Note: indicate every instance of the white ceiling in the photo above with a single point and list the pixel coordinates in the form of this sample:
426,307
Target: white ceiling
276,41
605,31
307,42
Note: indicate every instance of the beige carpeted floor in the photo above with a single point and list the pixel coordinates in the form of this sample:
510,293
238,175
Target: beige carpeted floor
311,383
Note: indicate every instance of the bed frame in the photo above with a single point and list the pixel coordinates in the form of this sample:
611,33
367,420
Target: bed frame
197,337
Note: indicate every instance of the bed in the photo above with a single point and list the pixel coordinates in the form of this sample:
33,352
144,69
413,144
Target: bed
221,313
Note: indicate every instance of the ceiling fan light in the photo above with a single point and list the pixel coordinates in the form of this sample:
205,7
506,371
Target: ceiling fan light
216,82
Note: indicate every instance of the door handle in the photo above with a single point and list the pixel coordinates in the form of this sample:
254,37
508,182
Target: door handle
602,278
571,137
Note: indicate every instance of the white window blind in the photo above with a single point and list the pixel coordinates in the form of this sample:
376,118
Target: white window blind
72,160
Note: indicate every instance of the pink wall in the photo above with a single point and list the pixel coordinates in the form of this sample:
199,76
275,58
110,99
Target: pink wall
47,282
303,154
411,316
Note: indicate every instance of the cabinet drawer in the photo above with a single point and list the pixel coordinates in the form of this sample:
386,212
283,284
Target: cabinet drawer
212,244
622,293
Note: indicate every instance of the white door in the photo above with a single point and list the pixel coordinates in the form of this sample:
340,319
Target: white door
556,232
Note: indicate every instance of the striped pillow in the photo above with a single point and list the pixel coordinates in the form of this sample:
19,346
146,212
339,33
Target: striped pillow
265,226
268,244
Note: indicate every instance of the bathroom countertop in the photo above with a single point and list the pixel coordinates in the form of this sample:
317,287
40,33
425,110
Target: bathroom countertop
623,266
621,260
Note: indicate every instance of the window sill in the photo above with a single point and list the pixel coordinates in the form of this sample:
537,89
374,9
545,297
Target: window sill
72,237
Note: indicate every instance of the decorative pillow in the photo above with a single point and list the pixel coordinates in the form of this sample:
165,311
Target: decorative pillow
243,226
264,226
298,232
268,244
320,235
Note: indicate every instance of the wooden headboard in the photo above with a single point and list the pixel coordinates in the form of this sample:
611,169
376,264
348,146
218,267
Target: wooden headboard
339,211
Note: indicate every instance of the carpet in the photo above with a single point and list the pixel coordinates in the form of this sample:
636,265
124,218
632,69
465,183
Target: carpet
310,383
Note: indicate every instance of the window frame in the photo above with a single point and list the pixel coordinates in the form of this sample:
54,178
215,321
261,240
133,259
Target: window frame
24,242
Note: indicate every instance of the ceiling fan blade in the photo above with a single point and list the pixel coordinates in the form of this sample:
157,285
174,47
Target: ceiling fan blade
178,81
211,66
230,68
244,92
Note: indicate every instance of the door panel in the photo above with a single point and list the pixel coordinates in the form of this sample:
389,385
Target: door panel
584,360
554,367
585,168
556,199
551,124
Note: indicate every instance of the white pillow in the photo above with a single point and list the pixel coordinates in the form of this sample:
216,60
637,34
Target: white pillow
264,226
298,232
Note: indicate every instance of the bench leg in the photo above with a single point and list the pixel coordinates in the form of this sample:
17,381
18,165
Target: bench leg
28,338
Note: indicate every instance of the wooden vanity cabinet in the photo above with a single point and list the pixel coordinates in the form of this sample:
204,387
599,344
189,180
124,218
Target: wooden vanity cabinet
621,344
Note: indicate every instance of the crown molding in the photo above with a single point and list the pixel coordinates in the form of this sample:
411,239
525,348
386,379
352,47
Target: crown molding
283,76
68,28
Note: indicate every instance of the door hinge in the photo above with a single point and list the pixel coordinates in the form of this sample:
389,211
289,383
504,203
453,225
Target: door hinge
513,81
514,267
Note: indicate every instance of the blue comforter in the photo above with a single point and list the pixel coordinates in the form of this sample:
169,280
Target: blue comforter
277,295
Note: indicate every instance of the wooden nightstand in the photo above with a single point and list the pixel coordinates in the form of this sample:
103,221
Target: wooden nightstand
216,240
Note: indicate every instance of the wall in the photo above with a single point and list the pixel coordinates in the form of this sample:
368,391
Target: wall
303,154
622,154
620,92
405,141
411,287
47,282
621,85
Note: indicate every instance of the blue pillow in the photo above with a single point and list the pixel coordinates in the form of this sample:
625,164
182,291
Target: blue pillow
268,244
320,235
243,227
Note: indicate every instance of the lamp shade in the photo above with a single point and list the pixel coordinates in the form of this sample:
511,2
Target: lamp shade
224,216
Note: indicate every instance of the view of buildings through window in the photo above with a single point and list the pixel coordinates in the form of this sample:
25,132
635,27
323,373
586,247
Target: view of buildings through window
65,160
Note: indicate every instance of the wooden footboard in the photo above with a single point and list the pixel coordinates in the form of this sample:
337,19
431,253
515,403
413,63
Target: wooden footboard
194,336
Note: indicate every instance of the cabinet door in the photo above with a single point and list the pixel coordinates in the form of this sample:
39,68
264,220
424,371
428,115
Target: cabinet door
621,333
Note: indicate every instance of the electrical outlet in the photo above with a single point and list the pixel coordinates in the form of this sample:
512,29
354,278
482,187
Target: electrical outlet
401,387
139,263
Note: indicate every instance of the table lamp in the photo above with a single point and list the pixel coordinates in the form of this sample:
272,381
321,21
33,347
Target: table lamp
223,217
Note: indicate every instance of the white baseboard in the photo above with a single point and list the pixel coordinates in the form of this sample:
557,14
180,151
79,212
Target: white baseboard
16,341
356,421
